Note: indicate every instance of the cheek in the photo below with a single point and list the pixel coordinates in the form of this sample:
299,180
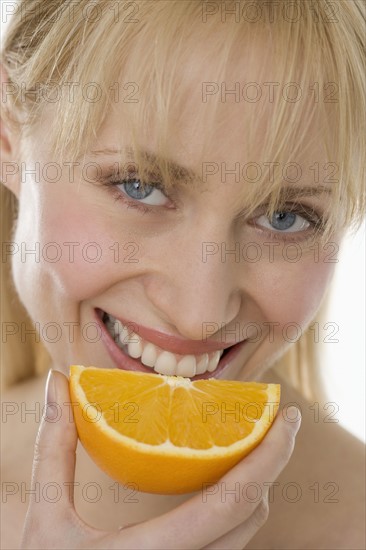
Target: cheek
293,292
78,255
92,257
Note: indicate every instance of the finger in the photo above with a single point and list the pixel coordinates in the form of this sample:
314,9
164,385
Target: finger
208,515
54,453
238,538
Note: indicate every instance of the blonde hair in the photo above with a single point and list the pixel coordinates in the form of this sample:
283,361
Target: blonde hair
46,49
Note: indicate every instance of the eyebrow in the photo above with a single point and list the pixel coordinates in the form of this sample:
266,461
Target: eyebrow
179,172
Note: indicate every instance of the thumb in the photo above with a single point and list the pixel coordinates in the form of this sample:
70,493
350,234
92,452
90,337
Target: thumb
54,454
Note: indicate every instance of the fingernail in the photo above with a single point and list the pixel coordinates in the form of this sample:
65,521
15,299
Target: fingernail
293,417
51,408
50,396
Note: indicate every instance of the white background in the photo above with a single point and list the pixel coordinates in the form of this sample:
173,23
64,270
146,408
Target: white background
344,366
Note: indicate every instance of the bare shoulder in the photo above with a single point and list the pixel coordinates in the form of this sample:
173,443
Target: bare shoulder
319,499
21,412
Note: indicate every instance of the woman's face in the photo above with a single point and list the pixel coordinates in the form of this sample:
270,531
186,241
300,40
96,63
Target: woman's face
187,272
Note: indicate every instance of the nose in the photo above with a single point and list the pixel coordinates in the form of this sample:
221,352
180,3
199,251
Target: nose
197,288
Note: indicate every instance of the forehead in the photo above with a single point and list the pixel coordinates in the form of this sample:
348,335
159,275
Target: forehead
223,115
244,111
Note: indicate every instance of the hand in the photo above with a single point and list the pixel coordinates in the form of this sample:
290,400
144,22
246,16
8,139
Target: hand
211,522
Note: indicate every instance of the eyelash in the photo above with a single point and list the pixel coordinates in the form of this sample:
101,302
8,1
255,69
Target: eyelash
310,214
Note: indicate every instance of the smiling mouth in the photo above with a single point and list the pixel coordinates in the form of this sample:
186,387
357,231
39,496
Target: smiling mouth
132,352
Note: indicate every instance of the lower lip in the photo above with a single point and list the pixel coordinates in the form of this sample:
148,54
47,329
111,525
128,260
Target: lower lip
125,362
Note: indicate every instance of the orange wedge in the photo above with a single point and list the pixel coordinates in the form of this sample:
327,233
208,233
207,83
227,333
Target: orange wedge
167,434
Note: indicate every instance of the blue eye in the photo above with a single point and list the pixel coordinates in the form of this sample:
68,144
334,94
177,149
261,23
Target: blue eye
284,221
135,190
147,193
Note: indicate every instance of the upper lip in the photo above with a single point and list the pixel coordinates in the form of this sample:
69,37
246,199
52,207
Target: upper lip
174,344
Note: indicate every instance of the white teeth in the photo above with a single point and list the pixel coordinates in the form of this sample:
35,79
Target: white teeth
135,346
166,363
124,335
163,362
213,362
202,364
186,366
149,355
